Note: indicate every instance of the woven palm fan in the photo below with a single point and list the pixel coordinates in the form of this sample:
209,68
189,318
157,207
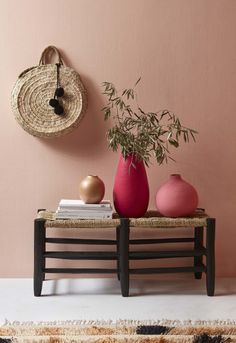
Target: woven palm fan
34,89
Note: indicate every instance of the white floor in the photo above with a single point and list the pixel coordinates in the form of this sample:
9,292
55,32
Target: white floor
96,299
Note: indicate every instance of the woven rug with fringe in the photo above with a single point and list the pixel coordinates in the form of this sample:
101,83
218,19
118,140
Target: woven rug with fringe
132,331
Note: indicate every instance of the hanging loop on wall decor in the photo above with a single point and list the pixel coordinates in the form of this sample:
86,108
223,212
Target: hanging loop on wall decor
49,100
48,53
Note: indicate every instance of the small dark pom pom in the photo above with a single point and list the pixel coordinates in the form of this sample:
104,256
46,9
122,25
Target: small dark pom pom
53,102
59,110
59,92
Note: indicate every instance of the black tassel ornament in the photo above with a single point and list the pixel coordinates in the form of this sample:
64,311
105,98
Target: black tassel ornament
59,92
59,110
53,102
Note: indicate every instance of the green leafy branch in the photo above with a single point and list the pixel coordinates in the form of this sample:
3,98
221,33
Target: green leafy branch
144,134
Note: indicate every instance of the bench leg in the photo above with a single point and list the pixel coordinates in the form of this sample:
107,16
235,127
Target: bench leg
39,259
124,256
118,250
198,243
210,256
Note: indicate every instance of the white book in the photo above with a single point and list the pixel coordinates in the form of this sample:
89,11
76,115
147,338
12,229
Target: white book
84,216
80,204
82,213
73,208
65,210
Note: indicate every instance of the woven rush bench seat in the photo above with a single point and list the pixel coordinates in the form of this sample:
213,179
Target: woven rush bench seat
151,219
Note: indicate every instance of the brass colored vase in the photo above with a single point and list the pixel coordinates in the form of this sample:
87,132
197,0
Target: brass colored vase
92,189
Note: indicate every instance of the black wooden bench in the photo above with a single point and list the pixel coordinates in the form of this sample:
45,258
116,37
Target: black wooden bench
200,222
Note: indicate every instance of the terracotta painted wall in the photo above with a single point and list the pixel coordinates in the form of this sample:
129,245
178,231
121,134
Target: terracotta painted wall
185,51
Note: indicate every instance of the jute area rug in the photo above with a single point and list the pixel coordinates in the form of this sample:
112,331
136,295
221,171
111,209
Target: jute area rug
121,331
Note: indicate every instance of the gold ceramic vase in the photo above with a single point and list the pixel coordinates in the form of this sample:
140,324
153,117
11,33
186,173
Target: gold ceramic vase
92,189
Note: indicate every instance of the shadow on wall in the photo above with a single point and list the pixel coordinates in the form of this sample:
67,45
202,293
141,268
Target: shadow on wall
90,136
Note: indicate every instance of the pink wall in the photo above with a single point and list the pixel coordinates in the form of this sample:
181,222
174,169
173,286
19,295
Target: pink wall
185,51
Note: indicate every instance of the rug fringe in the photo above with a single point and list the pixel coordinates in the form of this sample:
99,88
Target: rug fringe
134,322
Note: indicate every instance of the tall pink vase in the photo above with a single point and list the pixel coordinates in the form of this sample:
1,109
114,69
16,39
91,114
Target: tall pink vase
131,191
176,198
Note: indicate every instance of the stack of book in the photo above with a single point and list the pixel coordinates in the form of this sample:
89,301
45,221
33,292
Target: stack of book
77,209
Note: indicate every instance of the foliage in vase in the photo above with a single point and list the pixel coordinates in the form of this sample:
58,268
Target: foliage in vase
143,134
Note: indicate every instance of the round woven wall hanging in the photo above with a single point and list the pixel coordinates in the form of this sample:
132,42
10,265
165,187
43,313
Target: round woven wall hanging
49,100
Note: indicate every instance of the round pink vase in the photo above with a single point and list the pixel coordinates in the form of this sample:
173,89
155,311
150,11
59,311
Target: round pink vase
131,191
176,198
